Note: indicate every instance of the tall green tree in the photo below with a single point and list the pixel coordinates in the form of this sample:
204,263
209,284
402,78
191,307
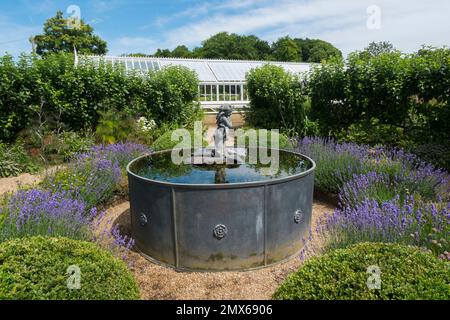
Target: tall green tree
181,52
224,45
163,53
375,49
61,35
316,50
286,49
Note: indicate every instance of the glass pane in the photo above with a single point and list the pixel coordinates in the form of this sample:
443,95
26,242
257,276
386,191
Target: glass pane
143,66
213,93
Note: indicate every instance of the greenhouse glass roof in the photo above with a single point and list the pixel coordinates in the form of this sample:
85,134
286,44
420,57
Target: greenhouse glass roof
208,70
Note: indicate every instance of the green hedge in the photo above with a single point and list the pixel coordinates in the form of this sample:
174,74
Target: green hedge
277,100
53,91
35,268
406,273
390,97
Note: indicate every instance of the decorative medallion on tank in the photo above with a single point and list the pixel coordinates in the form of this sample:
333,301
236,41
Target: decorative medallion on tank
143,219
220,231
298,216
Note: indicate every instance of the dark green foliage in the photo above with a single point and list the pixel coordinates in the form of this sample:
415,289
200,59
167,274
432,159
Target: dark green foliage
384,97
59,37
171,94
316,50
53,94
436,153
35,268
14,96
62,146
276,100
233,46
376,48
406,273
114,126
14,160
285,49
224,45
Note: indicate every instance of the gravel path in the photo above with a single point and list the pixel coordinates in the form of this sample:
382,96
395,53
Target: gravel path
157,282
12,184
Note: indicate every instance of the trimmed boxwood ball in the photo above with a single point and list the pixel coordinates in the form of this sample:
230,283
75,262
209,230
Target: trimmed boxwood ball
406,273
36,268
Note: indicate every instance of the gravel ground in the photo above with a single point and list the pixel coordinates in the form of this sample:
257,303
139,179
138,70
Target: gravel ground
12,184
157,282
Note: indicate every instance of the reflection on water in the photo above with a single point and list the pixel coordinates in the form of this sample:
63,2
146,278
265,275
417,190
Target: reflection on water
160,167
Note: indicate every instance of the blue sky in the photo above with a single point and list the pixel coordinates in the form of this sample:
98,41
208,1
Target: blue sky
144,25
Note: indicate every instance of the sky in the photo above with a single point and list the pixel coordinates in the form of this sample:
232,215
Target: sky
132,26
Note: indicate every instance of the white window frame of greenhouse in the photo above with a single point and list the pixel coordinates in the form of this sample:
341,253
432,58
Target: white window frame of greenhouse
221,81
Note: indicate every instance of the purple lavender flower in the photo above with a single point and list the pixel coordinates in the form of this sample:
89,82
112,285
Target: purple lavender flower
37,212
389,221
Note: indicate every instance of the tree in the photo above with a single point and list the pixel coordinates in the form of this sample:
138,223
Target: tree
163,53
286,49
181,52
375,49
316,50
59,36
233,46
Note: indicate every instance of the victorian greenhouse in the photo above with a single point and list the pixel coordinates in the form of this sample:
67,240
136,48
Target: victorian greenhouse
221,81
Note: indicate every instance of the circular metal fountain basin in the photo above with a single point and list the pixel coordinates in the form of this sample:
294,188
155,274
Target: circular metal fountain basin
225,226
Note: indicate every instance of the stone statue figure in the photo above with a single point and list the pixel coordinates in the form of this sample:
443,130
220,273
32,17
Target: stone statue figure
223,121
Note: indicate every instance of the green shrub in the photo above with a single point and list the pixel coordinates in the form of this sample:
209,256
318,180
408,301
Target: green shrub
165,142
92,180
390,98
406,273
437,154
36,268
276,100
14,160
283,140
114,126
171,96
66,144
14,96
53,92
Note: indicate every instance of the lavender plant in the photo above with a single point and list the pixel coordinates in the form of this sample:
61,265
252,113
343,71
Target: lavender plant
38,212
408,222
91,180
41,212
383,187
121,152
339,163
